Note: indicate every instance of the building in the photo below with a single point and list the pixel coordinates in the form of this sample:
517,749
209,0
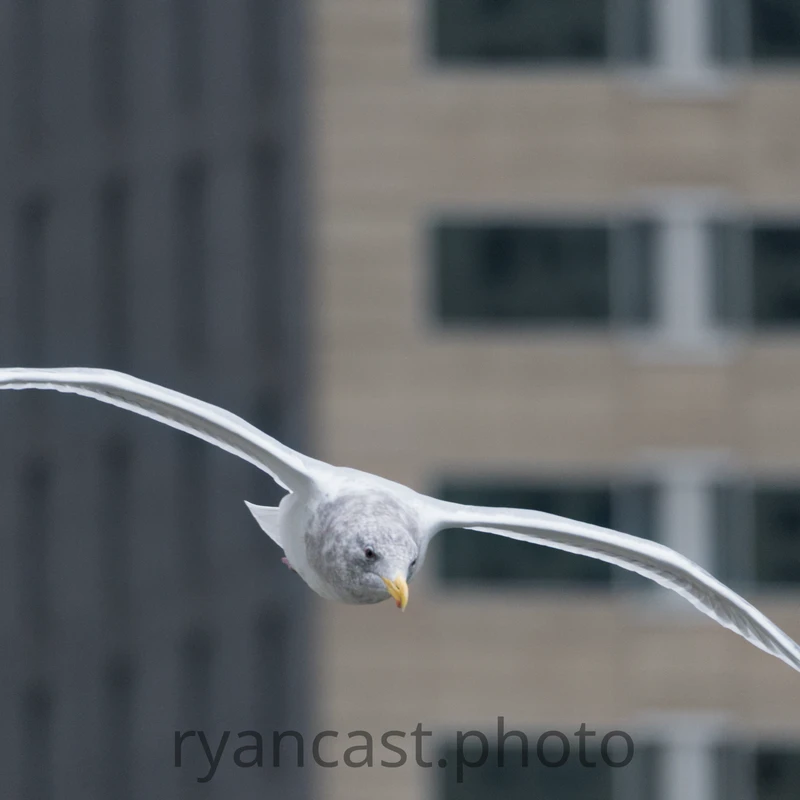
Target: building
152,219
558,264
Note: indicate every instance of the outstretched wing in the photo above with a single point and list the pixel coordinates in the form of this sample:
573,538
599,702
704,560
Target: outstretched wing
215,425
650,559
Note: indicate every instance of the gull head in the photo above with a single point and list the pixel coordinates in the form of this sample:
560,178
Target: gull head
365,547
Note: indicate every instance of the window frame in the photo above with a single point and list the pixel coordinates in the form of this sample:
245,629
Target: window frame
613,220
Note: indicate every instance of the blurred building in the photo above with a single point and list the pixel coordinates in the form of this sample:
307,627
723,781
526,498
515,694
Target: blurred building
559,266
152,219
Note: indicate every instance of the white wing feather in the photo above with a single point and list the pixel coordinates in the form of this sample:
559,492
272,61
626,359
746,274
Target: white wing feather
647,558
210,423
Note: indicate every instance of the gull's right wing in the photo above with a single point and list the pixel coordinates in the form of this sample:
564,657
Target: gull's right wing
650,559
290,469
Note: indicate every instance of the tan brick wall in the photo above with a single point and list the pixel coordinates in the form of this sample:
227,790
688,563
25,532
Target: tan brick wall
397,140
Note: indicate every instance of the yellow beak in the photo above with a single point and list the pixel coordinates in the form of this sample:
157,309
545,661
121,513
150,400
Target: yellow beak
398,589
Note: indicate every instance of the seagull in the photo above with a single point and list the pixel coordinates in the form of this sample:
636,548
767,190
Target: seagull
358,538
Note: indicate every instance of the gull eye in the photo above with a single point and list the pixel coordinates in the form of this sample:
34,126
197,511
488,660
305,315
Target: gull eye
369,554
411,567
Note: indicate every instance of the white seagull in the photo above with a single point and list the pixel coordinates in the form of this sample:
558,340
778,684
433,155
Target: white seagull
359,538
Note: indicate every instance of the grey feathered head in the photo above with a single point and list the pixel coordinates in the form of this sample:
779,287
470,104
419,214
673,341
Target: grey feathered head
366,546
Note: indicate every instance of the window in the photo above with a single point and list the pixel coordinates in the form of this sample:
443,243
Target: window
681,37
508,272
743,531
518,779
521,31
757,278
758,533
775,274
469,556
760,771
684,279
775,29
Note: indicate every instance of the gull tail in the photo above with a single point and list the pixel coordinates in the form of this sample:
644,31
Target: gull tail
267,518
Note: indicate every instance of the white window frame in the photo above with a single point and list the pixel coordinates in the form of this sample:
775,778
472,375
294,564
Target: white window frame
687,330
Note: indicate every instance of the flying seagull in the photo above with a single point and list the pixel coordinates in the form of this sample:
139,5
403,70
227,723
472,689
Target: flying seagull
358,538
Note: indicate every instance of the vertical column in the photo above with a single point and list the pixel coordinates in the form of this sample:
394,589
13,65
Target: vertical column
689,771
685,279
683,37
688,512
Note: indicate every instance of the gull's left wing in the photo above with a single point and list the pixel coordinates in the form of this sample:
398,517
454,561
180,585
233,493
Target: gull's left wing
650,559
289,468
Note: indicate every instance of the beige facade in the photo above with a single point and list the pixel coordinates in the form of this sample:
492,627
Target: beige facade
399,140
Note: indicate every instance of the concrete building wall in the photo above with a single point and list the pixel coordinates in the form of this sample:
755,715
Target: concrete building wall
400,140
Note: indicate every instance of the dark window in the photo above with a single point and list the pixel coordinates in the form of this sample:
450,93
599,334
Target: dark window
776,530
467,556
758,533
760,30
543,273
777,773
775,29
516,781
776,274
520,30
756,273
764,772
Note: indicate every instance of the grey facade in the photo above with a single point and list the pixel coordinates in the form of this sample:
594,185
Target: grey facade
152,214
